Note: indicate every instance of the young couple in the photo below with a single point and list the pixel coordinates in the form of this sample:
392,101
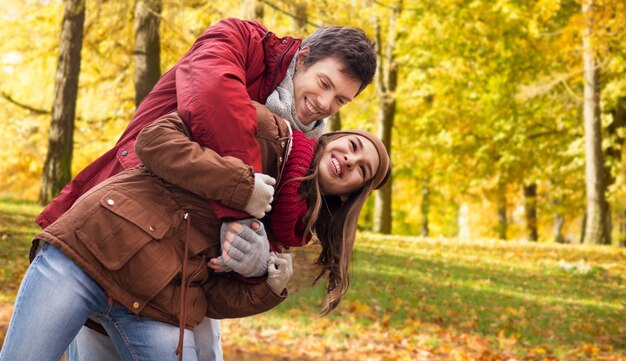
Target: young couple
132,251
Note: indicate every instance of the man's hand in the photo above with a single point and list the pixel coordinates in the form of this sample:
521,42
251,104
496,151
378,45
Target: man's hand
245,248
262,196
279,271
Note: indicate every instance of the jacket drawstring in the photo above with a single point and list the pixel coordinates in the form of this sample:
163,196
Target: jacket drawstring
182,301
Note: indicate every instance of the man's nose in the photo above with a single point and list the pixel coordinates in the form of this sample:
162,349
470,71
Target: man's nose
325,102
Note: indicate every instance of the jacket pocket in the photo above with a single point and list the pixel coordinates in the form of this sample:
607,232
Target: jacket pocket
119,227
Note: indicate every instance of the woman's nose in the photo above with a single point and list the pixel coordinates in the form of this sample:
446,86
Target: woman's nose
348,161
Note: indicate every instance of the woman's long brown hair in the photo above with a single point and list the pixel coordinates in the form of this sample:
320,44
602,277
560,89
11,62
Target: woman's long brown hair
333,224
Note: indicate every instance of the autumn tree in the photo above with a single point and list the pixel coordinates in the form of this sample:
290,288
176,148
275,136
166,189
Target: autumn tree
530,206
386,81
597,206
57,167
617,137
608,32
253,9
502,208
425,207
147,47
301,16
334,123
487,100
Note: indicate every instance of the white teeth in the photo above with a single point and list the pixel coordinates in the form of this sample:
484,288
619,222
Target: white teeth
336,164
309,106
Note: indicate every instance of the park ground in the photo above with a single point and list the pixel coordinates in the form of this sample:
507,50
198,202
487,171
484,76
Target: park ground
417,299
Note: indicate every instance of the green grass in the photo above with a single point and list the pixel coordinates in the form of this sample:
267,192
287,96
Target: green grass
414,298
17,228
491,288
447,298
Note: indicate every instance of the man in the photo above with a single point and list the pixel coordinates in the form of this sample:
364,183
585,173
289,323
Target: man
231,64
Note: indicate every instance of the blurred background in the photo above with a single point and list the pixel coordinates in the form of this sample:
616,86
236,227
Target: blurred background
505,120
481,101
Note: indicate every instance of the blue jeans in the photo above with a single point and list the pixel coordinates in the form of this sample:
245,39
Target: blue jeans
90,345
55,299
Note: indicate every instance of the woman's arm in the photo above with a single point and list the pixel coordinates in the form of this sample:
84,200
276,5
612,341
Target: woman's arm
166,149
228,298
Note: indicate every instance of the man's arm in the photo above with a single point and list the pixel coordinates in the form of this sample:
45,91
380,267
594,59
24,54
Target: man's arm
211,90
213,99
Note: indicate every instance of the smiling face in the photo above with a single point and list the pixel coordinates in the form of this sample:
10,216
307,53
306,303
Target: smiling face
321,88
347,164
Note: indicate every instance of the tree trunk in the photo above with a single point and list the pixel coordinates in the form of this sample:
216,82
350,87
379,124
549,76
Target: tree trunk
502,221
617,129
335,122
425,206
259,11
621,220
57,170
530,197
583,228
559,222
613,156
147,47
382,205
386,80
301,18
596,226
616,136
253,9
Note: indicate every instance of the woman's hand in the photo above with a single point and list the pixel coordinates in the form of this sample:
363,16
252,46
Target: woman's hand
262,196
245,248
279,271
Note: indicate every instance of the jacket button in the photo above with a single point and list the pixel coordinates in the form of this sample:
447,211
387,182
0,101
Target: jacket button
280,159
110,202
152,228
282,144
136,305
124,152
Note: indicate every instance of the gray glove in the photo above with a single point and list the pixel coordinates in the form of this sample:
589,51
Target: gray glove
249,251
262,195
279,271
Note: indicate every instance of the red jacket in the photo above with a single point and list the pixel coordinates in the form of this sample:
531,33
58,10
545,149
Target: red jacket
230,64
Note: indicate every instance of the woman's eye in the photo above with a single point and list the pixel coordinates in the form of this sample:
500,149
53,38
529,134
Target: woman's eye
323,85
352,145
362,171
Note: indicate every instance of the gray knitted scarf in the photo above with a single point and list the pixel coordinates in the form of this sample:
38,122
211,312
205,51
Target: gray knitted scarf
282,103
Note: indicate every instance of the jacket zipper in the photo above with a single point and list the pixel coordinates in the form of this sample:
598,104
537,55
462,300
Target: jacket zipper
285,156
280,61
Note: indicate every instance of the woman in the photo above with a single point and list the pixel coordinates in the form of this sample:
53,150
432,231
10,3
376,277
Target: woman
135,247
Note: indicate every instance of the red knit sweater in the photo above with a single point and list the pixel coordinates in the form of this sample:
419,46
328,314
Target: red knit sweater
290,206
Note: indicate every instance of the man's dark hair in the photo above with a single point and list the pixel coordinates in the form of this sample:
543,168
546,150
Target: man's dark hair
349,45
